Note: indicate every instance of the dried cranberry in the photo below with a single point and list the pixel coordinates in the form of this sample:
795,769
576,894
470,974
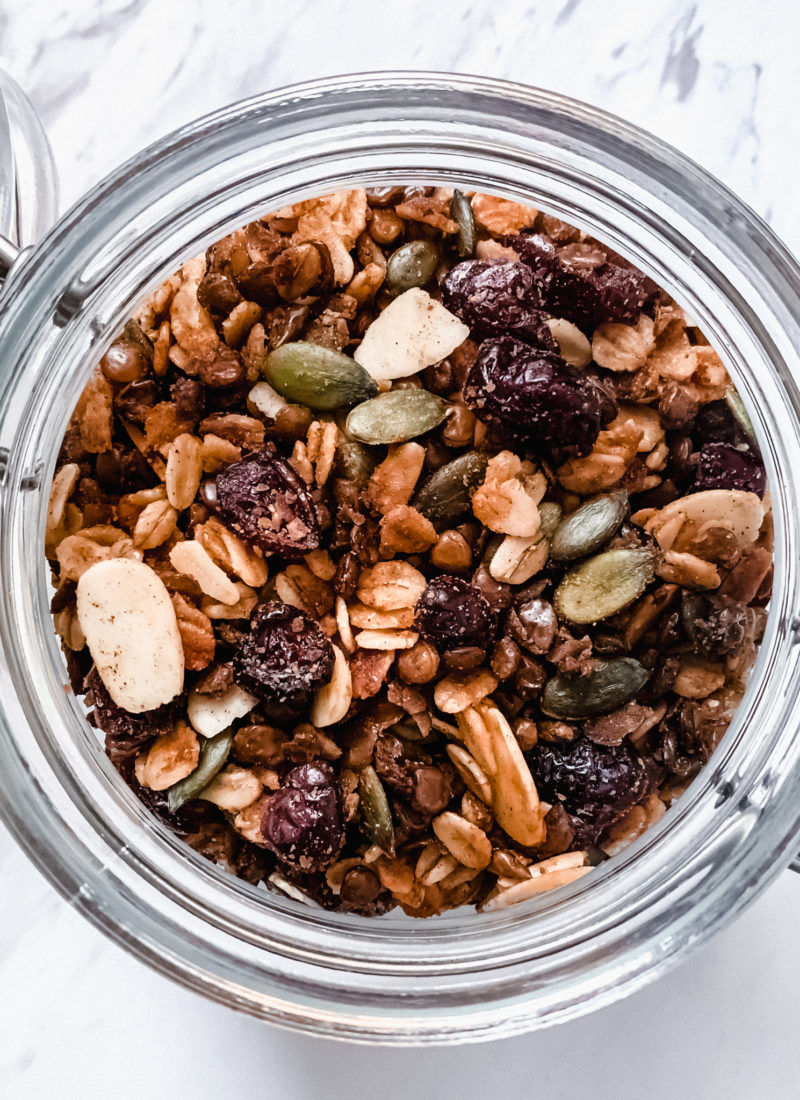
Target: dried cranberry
534,395
583,290
716,625
126,732
715,423
532,625
723,466
136,400
596,784
284,658
496,297
264,501
302,823
452,613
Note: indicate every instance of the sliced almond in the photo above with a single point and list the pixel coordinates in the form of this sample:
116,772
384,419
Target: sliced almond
573,346
184,470
127,616
192,558
515,800
516,559
522,891
211,714
739,512
469,844
332,702
233,789
386,639
412,333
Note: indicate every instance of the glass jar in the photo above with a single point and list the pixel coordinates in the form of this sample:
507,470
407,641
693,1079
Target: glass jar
463,976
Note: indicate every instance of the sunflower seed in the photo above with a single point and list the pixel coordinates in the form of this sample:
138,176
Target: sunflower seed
604,584
396,416
319,377
612,684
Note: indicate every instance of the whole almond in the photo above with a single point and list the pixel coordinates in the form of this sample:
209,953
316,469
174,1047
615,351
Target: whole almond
127,616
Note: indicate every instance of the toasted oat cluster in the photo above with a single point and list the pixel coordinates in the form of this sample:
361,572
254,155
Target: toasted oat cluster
410,549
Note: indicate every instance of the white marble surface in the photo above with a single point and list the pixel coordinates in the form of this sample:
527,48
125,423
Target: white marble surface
78,1018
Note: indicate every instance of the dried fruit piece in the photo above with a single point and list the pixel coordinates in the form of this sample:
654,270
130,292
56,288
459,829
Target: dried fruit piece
604,584
213,754
596,784
131,630
412,333
723,466
534,395
451,613
264,501
447,494
589,527
412,264
316,376
611,684
462,213
211,714
396,416
285,657
497,297
376,817
302,823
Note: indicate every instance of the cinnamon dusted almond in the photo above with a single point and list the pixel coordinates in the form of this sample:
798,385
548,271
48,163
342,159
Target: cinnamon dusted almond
130,626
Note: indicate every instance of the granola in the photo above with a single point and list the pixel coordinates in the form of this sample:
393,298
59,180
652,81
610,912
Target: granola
410,549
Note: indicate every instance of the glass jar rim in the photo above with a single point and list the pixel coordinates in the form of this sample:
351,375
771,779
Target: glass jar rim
463,977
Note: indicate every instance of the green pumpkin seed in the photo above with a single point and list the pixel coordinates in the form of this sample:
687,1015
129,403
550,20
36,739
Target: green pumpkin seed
612,684
376,817
412,264
447,494
736,405
213,754
396,416
321,378
588,527
604,584
354,462
463,215
549,518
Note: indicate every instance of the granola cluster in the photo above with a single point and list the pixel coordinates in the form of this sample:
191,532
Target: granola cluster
410,548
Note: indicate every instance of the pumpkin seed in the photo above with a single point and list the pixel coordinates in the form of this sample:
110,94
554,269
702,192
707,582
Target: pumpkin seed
604,584
321,378
463,215
396,416
213,754
736,405
447,494
549,518
588,527
612,684
412,264
354,462
376,817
